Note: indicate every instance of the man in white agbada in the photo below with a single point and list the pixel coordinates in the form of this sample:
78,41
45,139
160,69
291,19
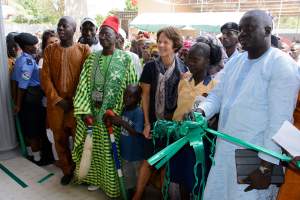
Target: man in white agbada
257,92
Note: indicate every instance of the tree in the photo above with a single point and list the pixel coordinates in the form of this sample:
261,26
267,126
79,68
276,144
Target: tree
61,7
39,11
99,19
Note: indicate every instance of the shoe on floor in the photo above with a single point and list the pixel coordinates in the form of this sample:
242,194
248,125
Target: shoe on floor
93,188
43,162
30,158
66,179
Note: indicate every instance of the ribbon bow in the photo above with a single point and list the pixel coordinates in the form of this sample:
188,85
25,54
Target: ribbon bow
192,132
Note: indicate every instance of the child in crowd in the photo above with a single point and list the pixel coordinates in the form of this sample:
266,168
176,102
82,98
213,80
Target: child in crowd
131,139
191,91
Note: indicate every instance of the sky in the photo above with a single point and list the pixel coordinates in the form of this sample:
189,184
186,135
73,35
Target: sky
102,7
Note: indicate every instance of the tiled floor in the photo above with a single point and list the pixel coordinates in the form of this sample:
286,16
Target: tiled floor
50,189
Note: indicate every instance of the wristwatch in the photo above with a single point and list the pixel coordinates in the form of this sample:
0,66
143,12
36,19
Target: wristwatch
264,170
199,110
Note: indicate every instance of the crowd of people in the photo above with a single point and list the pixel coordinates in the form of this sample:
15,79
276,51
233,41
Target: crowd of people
245,82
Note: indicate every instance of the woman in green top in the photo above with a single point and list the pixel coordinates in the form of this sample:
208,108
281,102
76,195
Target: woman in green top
103,80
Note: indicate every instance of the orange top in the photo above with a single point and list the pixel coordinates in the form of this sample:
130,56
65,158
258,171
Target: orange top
187,95
61,71
11,63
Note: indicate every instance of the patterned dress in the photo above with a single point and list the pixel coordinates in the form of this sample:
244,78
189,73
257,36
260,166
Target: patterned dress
110,75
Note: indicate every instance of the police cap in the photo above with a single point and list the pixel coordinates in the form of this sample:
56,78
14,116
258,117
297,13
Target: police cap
231,26
26,39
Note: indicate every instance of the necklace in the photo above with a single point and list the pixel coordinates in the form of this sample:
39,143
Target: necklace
99,88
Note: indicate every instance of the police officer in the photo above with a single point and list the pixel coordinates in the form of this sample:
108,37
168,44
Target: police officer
29,94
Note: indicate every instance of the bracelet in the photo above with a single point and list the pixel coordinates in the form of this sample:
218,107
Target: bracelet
147,124
199,110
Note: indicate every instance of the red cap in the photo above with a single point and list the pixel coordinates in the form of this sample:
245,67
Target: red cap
112,22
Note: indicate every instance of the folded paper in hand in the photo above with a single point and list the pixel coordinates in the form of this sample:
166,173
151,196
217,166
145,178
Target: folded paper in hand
288,137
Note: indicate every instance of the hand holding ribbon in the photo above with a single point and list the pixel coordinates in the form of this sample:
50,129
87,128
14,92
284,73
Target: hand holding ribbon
192,132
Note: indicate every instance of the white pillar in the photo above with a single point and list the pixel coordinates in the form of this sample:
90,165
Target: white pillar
8,139
77,10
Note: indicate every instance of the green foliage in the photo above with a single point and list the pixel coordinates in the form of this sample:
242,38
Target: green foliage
39,11
129,6
32,20
99,19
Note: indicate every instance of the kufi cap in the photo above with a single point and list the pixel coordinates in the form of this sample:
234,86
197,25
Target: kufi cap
112,22
89,19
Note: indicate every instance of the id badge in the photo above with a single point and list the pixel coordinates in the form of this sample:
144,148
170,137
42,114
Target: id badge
97,97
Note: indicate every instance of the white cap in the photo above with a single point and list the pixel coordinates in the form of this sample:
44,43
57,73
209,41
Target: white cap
122,33
89,19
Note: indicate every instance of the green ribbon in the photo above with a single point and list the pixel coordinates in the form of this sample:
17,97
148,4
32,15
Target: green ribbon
192,132
184,132
19,132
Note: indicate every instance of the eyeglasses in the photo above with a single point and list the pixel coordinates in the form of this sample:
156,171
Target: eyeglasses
105,34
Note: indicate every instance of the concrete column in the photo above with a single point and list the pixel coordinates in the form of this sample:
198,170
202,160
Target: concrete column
76,9
8,139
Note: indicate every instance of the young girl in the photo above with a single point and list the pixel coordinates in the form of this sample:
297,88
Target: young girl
192,90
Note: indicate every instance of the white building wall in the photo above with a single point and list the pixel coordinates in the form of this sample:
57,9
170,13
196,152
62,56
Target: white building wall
8,139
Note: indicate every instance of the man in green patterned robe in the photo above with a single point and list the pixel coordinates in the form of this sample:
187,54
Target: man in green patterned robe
103,80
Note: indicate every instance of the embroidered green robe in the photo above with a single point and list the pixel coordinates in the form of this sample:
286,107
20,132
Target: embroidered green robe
119,72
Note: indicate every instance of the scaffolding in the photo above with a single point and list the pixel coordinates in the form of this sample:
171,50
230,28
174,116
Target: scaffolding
275,7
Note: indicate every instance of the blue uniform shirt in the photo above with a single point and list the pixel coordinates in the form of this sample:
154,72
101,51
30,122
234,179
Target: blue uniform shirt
26,71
